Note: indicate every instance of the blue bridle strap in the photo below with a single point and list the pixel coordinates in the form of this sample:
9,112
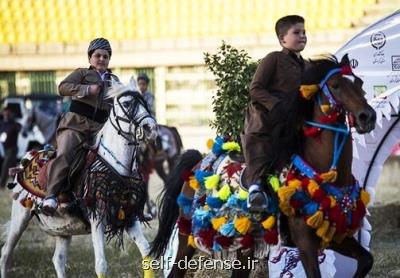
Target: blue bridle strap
324,87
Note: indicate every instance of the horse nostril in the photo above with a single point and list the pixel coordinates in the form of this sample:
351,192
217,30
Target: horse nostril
366,116
363,117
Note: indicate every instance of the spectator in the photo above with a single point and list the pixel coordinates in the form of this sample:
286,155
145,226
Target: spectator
9,130
143,84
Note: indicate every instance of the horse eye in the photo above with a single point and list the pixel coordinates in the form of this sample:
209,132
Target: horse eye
126,104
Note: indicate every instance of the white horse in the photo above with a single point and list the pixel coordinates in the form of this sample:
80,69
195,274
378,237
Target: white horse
129,123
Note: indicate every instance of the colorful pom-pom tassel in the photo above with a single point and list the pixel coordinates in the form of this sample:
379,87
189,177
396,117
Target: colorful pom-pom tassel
329,235
274,182
365,197
224,192
308,91
325,108
321,231
271,236
194,184
285,193
223,241
211,182
231,146
184,225
210,143
315,220
214,202
269,222
242,224
191,242
228,229
295,183
243,194
329,176
218,222
312,187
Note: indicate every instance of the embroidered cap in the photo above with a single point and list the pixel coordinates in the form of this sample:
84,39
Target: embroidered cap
99,43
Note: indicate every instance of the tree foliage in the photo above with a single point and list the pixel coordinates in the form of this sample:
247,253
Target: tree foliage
233,70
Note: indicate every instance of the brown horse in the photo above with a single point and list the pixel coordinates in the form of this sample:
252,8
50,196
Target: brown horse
322,203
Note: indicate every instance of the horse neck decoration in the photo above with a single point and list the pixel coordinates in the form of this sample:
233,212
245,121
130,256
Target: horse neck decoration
213,215
128,124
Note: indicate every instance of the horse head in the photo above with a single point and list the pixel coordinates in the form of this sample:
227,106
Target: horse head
130,114
340,89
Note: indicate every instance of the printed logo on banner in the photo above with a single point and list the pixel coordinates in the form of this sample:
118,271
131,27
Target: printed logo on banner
353,63
379,89
378,40
396,62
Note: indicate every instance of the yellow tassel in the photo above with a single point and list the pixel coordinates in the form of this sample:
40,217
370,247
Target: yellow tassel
315,220
333,201
28,203
325,108
329,235
285,193
329,176
308,91
269,222
274,182
211,182
193,183
121,214
312,187
210,143
231,146
218,222
365,197
287,209
294,183
242,224
321,231
243,194
224,192
191,241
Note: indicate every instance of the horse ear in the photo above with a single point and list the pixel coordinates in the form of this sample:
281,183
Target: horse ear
345,60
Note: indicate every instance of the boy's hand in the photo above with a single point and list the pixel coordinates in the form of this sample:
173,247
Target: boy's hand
94,90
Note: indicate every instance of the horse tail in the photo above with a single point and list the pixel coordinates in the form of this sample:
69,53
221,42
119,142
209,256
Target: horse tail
169,210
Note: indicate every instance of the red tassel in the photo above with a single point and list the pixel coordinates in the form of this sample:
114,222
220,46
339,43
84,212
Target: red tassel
361,208
290,176
186,175
233,168
325,204
305,182
184,226
355,220
202,200
247,241
318,195
207,237
311,131
271,236
296,203
328,119
346,70
224,241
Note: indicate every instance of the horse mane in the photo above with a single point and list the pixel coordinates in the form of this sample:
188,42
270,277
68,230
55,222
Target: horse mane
118,88
319,67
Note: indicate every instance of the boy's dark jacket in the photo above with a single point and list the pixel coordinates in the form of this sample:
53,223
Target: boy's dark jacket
277,79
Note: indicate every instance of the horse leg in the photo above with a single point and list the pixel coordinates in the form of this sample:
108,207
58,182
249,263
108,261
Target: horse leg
350,247
20,217
245,265
307,242
136,234
185,253
98,246
60,254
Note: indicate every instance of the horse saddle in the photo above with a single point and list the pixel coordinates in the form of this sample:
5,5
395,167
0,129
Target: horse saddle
33,176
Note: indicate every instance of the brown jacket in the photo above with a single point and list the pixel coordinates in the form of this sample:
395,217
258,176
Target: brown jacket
278,76
77,83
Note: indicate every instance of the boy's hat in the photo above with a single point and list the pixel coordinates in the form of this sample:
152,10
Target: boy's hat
99,43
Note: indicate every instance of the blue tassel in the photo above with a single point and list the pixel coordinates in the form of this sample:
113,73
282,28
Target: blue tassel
233,202
200,175
228,229
272,205
243,204
217,147
201,219
216,247
301,196
214,202
185,203
311,208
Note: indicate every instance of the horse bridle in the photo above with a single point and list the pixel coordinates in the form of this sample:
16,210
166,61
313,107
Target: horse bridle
129,117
